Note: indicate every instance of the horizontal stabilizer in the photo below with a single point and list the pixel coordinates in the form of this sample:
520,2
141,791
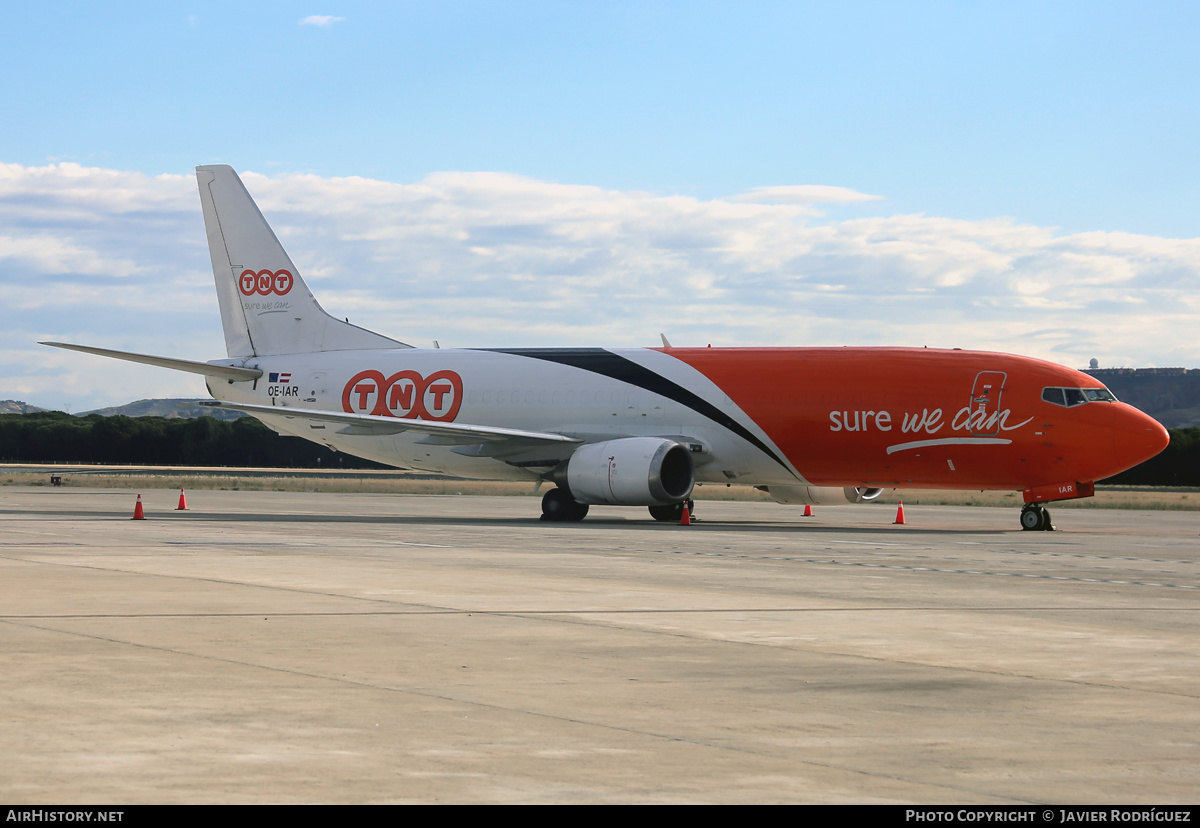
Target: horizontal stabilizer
371,424
225,372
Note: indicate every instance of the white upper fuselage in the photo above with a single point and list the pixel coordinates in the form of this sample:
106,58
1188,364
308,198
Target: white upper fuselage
504,390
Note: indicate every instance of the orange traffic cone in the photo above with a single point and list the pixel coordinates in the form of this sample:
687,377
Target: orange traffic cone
900,513
182,507
808,510
138,514
686,518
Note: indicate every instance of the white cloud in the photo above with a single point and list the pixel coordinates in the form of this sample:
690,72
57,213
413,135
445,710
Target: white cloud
323,20
48,254
495,259
805,194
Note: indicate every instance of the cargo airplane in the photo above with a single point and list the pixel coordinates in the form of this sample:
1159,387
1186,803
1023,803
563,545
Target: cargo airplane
643,426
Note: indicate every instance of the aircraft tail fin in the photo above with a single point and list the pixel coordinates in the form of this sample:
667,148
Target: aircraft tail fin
266,308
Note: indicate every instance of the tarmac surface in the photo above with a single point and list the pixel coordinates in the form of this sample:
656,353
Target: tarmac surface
283,647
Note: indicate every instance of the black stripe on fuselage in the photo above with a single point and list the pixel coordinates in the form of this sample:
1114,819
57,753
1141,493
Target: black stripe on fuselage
608,364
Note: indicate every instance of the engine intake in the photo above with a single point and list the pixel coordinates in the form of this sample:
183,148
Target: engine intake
631,471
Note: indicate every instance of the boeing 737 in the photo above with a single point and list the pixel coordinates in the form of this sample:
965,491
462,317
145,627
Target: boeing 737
643,426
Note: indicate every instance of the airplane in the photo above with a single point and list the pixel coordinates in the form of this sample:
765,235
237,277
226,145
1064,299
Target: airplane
644,426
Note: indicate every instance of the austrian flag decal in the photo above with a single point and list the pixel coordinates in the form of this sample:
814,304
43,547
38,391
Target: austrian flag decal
279,384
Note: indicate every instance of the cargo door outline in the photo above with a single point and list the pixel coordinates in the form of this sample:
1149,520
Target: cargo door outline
985,398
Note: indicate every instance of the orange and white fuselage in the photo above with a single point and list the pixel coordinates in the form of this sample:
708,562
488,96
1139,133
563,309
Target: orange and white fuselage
829,417
642,426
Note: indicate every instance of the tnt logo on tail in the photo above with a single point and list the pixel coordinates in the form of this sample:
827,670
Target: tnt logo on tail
265,283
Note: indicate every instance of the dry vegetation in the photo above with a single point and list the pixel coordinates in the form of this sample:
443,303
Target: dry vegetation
389,483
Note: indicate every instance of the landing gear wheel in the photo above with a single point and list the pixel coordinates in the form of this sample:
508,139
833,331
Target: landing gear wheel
1035,518
557,504
672,512
1031,520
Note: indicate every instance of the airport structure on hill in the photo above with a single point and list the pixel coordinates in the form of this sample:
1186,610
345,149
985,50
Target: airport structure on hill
1169,395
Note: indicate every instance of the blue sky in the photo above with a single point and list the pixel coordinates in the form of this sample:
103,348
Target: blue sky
1032,168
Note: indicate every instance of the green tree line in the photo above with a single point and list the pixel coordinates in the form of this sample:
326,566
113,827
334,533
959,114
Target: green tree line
1178,465
55,437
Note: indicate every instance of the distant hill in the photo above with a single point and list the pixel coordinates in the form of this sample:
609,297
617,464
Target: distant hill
171,409
18,407
58,437
1169,395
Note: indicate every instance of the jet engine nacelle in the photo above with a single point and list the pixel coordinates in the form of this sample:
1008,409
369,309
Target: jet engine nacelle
822,495
631,471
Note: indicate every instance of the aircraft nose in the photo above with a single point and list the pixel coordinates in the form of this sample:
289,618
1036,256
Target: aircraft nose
1137,437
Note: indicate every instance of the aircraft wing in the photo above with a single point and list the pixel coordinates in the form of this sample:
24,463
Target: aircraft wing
225,372
371,424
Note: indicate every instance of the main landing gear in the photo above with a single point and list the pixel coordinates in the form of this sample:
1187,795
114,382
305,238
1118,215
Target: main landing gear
557,504
672,512
1035,518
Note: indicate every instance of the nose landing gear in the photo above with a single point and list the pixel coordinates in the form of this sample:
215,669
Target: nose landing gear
1035,518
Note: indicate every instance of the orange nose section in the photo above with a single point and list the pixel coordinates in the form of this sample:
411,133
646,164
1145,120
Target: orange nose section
1137,437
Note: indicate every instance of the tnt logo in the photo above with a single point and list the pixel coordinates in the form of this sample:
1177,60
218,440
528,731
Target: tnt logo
264,282
407,395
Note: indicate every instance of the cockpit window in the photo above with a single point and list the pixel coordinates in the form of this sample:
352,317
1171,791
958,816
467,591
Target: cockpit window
1075,396
1053,395
1070,397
